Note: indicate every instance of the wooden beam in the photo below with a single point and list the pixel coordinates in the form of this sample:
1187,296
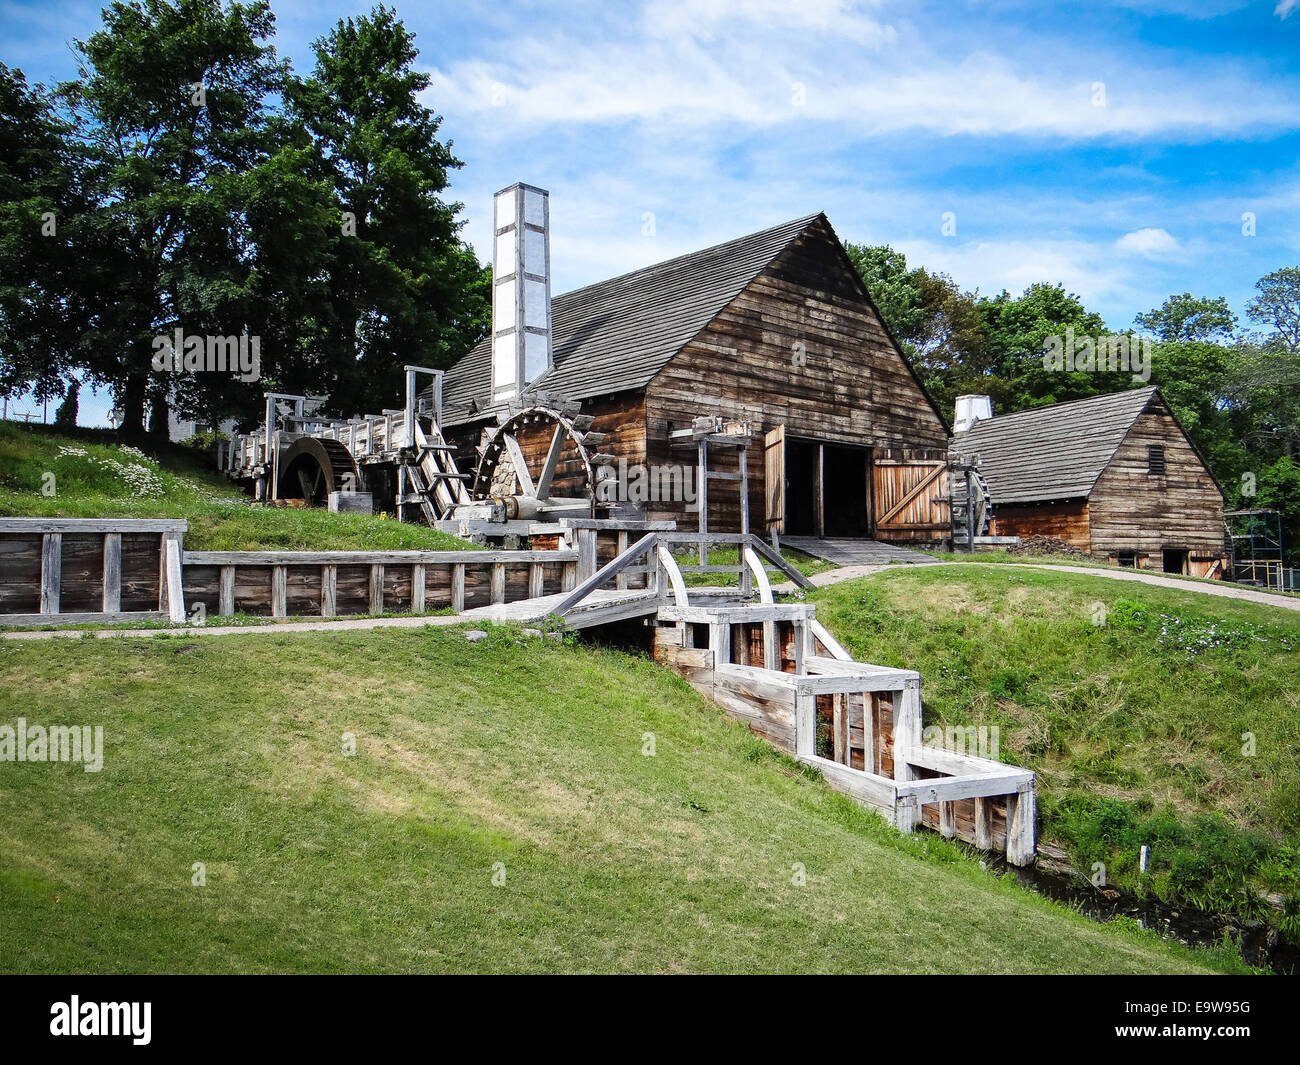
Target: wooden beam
498,582
329,590
458,587
112,584
51,571
610,569
417,588
376,589
279,592
552,460
520,465
536,583
983,823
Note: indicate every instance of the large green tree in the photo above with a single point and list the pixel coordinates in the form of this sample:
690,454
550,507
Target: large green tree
45,293
404,287
170,112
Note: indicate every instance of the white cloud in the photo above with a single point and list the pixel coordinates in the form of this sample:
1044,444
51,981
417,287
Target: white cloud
756,66
1285,7
1149,243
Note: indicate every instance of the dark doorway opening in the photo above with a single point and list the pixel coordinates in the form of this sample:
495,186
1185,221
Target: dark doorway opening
801,459
1175,560
844,493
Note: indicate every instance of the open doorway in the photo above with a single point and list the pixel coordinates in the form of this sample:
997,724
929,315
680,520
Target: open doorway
1174,559
802,459
844,492
826,489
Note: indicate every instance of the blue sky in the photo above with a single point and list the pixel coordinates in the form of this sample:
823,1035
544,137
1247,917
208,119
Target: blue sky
1111,147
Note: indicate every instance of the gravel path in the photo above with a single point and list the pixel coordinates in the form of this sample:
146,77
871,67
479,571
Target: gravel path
1225,590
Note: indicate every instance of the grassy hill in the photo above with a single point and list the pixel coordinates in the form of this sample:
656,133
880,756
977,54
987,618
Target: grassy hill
1132,703
95,477
516,756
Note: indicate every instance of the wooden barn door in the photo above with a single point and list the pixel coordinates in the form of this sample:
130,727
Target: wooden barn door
774,478
910,495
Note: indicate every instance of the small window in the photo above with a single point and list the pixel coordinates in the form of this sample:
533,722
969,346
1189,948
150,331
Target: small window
1156,460
1128,559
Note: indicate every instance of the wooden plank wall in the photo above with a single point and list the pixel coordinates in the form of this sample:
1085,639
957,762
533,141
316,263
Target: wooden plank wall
799,347
1064,521
305,589
1132,510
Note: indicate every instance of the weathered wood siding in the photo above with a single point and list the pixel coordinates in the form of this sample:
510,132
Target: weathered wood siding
1064,521
800,346
1131,509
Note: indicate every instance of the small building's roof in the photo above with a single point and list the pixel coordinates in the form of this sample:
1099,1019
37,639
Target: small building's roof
1052,453
616,335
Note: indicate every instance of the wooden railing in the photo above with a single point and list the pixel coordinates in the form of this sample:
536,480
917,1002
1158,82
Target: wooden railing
338,583
90,570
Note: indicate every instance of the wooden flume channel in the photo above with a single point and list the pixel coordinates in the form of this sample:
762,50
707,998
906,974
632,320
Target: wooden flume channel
772,665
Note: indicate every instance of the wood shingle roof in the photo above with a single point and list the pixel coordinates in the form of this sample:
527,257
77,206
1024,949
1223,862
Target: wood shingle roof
616,335
1052,453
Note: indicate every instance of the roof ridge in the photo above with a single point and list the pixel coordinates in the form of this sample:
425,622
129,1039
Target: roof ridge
1004,418
800,223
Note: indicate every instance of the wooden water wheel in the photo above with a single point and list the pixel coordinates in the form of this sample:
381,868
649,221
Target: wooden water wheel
542,454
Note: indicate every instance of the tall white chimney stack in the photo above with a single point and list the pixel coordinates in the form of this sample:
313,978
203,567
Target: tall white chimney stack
521,289
971,409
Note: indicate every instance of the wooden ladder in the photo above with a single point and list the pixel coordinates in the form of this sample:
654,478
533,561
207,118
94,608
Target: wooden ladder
439,485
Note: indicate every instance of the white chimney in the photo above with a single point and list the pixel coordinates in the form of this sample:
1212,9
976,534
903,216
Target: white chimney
521,289
971,409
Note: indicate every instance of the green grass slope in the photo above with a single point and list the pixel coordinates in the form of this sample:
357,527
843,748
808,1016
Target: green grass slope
516,756
1134,705
95,477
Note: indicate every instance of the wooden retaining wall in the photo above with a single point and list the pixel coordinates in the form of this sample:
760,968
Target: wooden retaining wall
90,570
338,583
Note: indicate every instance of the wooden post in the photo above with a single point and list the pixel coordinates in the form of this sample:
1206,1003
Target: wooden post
720,643
417,588
1020,825
839,729
401,490
458,586
51,572
947,820
805,724
869,732
112,598
279,592
329,590
498,582
907,727
377,588
771,653
535,580
586,554
620,581
175,585
702,497
226,592
983,824
569,580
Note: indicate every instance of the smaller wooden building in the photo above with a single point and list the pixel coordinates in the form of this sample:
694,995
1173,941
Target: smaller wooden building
1115,475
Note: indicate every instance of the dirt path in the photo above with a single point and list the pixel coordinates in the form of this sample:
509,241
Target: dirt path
1226,591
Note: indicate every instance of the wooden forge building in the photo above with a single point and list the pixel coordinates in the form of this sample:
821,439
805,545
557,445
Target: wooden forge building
1115,476
772,335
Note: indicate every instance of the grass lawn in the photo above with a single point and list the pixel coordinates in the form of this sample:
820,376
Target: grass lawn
512,755
95,478
1132,704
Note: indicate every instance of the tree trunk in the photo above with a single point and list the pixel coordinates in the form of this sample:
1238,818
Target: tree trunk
158,411
132,403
